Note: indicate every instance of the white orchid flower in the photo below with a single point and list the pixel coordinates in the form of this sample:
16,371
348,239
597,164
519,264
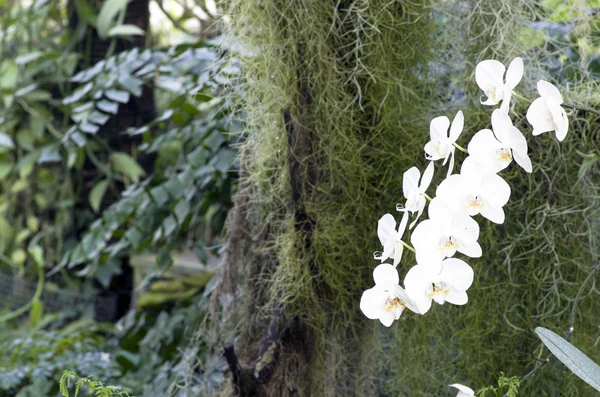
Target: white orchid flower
441,145
414,192
545,113
444,233
489,75
386,300
475,191
445,281
496,150
390,238
463,391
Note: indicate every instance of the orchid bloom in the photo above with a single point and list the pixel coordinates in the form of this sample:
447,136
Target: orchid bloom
441,145
545,113
414,192
496,150
463,391
390,238
386,300
445,281
445,232
489,75
475,191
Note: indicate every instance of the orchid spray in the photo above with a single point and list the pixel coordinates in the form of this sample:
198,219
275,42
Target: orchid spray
477,190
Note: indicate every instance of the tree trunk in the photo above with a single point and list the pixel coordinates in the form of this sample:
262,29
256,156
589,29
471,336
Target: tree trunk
321,97
138,111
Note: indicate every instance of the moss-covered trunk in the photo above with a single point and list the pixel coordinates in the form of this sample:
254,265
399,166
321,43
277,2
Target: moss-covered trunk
325,90
337,98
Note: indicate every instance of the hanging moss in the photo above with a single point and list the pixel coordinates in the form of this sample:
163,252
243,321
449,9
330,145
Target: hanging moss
337,97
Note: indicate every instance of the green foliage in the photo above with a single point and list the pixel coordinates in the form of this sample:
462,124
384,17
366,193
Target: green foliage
74,201
573,358
508,387
193,183
95,388
33,359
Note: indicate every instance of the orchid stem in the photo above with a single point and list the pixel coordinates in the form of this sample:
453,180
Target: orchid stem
582,108
409,247
427,196
462,149
520,97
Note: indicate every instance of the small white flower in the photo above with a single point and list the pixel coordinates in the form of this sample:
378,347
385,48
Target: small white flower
496,150
489,75
445,281
105,357
444,233
441,145
463,391
475,191
390,238
414,192
386,300
545,113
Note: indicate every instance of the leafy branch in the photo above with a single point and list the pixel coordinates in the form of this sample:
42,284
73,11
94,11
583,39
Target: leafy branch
98,389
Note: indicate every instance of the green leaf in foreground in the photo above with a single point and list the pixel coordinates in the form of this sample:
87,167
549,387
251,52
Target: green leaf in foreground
126,165
572,357
97,194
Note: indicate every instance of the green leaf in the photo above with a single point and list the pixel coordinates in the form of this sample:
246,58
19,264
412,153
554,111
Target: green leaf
572,357
126,30
5,169
117,96
50,154
110,10
125,164
78,94
587,163
6,141
18,256
9,76
37,253
97,193
36,312
108,106
131,84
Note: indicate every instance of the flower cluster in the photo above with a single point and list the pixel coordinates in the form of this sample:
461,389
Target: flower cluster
438,276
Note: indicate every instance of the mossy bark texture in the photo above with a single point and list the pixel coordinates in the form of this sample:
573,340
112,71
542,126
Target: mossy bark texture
337,96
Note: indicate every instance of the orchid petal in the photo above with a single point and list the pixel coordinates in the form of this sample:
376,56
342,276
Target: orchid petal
495,215
463,391
514,72
523,160
472,250
386,318
489,74
438,128
501,124
457,273
497,190
548,90
410,181
386,228
385,274
539,116
451,165
371,302
457,126
432,153
427,177
457,297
